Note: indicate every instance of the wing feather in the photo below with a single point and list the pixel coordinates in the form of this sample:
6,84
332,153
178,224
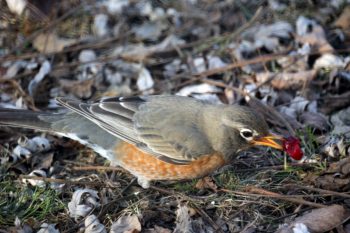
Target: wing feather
164,126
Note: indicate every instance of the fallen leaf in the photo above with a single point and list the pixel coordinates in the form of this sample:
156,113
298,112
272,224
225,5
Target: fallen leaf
144,80
344,21
100,26
126,224
331,103
315,120
93,225
203,88
286,80
311,33
20,227
16,6
36,144
38,173
336,177
323,219
138,52
183,220
317,221
341,122
206,183
81,89
83,201
48,228
44,70
42,161
335,147
149,30
328,60
50,43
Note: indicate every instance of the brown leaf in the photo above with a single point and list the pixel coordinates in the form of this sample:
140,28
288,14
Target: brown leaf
126,224
49,43
286,80
323,219
336,177
318,220
317,40
331,103
184,222
81,89
42,161
315,120
206,183
344,21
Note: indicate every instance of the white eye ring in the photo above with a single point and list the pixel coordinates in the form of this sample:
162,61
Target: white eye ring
247,134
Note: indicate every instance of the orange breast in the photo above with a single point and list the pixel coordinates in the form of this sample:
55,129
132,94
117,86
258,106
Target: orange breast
151,168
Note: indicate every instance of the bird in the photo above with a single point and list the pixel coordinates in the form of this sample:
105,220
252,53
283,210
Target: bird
156,137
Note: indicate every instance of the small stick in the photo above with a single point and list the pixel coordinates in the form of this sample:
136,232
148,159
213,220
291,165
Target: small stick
253,191
205,216
89,168
294,186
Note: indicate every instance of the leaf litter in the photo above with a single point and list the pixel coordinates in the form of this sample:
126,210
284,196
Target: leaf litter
293,68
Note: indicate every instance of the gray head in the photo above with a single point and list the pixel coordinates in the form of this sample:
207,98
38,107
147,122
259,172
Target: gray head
245,128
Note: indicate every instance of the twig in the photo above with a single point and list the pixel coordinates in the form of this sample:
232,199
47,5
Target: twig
206,217
168,192
258,192
276,167
334,193
105,168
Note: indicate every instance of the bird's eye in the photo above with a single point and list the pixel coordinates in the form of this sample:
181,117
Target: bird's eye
247,134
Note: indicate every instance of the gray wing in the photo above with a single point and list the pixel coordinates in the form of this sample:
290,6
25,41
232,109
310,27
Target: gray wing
164,126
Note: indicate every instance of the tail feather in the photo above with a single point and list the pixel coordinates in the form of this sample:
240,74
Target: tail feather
23,118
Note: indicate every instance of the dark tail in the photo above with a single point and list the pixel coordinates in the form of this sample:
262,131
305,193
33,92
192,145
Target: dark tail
25,119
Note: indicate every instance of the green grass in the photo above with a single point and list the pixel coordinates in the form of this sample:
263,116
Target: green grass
24,202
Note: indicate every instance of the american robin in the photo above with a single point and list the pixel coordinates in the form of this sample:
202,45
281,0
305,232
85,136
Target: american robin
155,137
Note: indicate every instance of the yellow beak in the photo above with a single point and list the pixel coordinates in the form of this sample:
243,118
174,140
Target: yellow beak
269,140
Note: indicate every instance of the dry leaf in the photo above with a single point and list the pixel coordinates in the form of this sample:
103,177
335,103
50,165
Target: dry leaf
183,220
93,225
38,173
328,60
335,146
286,80
44,70
336,177
318,220
315,120
206,183
50,43
83,201
42,161
331,103
323,219
344,21
81,89
48,228
203,88
341,122
311,33
144,80
126,224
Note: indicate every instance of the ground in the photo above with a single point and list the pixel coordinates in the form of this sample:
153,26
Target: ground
287,59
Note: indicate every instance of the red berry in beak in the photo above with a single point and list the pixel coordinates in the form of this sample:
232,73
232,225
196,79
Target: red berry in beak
291,145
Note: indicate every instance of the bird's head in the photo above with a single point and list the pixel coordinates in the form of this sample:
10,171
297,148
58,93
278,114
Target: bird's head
249,128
